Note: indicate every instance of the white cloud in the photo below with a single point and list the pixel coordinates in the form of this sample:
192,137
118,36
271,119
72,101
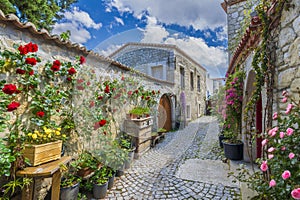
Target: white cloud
201,15
78,34
77,22
153,32
119,20
82,18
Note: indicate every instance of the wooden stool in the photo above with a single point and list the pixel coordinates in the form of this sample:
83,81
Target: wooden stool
50,169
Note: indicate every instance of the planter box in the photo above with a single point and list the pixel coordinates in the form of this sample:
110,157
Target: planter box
42,153
140,130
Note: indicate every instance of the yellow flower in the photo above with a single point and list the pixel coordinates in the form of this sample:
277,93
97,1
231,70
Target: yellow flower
57,132
49,135
64,135
48,131
59,129
29,134
34,136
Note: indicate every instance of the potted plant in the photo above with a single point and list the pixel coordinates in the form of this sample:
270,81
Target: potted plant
70,183
100,182
139,112
86,164
233,146
125,143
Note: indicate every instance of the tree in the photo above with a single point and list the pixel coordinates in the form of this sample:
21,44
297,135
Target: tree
42,13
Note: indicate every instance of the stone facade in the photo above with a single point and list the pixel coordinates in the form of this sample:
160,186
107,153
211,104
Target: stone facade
169,63
286,45
235,16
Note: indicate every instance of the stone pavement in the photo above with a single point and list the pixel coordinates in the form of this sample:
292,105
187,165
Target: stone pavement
186,165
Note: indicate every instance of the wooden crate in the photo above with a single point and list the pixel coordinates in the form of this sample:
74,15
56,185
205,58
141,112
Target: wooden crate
42,153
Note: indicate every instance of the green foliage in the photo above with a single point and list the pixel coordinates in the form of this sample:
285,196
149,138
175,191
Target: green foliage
86,159
42,13
139,111
12,186
65,35
6,159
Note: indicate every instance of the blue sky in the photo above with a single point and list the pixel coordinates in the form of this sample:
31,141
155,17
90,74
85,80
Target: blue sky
198,27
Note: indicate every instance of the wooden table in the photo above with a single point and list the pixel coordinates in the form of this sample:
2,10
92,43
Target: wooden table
51,169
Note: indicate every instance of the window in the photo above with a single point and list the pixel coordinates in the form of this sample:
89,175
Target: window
192,81
188,112
198,83
199,110
182,77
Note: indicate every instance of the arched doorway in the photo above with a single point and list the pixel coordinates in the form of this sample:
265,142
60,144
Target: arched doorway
164,113
256,124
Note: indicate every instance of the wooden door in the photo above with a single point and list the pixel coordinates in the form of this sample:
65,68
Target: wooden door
164,113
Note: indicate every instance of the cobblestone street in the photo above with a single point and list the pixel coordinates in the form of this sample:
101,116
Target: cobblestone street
160,173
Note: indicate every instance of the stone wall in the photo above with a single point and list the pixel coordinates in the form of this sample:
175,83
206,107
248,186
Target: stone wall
235,16
288,54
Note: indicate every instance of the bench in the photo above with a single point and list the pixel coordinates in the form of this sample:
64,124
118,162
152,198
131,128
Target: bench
50,169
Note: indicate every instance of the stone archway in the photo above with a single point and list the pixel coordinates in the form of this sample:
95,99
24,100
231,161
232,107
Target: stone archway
165,113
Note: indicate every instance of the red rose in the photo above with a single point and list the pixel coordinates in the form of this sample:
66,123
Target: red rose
72,71
106,90
100,97
147,98
13,106
129,93
69,79
80,81
56,65
142,97
96,125
153,92
23,50
102,122
158,92
88,83
40,114
32,47
136,91
20,71
31,72
82,60
30,61
92,104
80,87
9,89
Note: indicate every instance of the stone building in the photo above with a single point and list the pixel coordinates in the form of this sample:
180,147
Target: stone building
169,63
284,46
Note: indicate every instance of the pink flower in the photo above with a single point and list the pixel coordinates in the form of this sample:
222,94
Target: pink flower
283,148
273,131
270,156
291,155
281,135
264,166
284,93
296,193
271,149
275,115
264,142
289,108
284,100
286,174
289,131
272,183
